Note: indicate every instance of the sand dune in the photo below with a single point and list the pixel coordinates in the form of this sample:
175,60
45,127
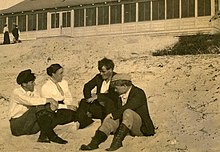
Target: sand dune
183,91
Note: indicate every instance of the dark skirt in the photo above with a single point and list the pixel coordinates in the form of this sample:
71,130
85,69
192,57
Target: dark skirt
6,38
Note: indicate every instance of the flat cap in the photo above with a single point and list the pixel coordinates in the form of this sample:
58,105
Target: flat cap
121,76
25,76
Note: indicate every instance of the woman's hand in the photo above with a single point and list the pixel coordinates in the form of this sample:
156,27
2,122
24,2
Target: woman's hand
53,104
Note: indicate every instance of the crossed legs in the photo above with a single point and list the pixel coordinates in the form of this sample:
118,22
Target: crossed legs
131,122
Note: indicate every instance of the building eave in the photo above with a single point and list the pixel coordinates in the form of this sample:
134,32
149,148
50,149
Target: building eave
32,5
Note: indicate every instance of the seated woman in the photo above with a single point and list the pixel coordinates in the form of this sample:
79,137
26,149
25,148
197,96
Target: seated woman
57,88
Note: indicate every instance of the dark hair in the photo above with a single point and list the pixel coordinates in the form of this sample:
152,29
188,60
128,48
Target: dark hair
25,76
53,69
121,83
108,63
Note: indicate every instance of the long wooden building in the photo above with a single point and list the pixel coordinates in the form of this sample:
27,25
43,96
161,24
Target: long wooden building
76,18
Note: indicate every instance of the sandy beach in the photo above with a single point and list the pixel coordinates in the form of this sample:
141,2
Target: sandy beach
183,91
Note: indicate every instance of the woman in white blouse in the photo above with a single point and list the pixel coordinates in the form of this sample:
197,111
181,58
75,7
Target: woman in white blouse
57,88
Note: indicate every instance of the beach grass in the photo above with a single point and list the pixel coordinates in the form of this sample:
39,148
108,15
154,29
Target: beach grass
193,45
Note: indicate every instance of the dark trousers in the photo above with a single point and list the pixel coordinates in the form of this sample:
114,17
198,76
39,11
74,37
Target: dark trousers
27,124
99,108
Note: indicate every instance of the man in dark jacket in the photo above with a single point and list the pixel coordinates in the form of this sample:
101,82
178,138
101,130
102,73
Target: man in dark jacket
100,104
15,33
130,116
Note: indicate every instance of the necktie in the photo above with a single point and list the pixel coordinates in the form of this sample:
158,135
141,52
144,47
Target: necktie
120,102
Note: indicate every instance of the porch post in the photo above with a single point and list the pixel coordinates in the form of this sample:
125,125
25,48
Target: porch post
26,16
180,8
196,8
48,22
151,10
122,13
165,13
37,22
96,16
72,18
84,16
137,12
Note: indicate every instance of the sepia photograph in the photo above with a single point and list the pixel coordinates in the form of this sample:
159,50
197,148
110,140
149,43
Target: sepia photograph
110,75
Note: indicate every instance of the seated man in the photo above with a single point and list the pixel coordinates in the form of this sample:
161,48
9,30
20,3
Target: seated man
131,116
100,104
29,113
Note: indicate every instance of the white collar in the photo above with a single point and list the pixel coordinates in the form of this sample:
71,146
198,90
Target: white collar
125,95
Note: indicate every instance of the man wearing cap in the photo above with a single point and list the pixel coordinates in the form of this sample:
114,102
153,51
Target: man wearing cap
130,116
29,113
100,104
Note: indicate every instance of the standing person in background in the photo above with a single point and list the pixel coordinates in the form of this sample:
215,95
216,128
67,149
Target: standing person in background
101,103
131,116
57,88
6,35
29,113
15,33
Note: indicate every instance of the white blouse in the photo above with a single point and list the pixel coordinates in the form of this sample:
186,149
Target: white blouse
50,90
5,29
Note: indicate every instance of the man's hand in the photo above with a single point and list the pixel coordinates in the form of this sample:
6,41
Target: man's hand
72,107
53,103
92,99
109,116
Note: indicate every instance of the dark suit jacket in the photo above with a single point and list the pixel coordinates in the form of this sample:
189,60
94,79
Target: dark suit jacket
108,98
137,102
95,82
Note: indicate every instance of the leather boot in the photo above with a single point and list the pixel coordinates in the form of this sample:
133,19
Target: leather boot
45,120
95,142
118,137
55,138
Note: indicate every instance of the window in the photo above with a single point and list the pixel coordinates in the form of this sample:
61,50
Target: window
103,15
115,14
188,8
204,7
216,6
130,12
31,22
144,11
2,23
78,17
22,22
172,9
55,20
11,22
158,10
90,16
66,19
42,21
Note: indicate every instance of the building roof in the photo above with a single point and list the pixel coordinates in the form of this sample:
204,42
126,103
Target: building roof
29,5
